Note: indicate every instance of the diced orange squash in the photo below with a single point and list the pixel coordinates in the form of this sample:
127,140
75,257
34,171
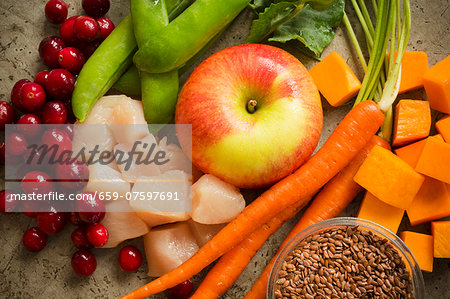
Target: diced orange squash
410,153
437,85
431,202
414,65
412,121
379,212
421,246
335,80
443,127
434,161
389,178
441,233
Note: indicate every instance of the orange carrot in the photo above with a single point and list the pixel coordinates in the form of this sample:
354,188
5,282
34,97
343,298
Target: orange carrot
228,268
328,203
348,138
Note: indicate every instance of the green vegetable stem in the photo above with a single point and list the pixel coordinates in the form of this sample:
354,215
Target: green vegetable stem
187,34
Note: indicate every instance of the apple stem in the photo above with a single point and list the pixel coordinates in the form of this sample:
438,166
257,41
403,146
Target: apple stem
251,106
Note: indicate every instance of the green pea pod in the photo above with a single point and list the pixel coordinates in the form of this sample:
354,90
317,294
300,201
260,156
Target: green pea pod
159,96
111,59
130,82
171,48
158,91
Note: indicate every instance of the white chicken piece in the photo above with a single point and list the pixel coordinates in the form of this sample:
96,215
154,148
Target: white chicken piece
215,201
99,130
103,178
134,171
122,223
152,208
177,158
167,247
204,232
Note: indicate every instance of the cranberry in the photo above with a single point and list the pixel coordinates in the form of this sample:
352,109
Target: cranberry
130,258
34,239
36,181
79,238
30,125
180,291
60,84
51,223
66,31
57,137
16,144
71,59
16,94
84,262
49,49
71,119
41,77
7,203
73,175
68,129
75,219
54,112
106,27
88,48
7,114
30,214
56,11
30,208
95,8
91,209
86,29
33,96
97,234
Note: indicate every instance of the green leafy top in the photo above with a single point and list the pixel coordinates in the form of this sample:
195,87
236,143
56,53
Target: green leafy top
310,22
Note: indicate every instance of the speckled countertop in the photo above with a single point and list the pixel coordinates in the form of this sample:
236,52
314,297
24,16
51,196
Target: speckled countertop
48,274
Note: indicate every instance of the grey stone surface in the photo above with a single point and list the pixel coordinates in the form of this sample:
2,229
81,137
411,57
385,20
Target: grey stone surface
48,274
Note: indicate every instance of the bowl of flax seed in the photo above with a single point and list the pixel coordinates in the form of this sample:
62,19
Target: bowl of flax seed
345,257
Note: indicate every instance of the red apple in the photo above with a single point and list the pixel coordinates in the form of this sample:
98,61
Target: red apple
256,115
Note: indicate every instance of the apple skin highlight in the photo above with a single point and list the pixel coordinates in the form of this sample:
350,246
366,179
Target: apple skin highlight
250,149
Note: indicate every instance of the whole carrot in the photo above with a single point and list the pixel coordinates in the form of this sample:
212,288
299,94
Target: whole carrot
228,268
328,203
348,138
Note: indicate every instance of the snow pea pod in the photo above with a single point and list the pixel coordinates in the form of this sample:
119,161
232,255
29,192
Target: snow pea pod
158,91
111,59
171,48
129,83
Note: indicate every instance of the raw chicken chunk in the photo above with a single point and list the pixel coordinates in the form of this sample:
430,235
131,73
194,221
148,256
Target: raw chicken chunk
122,223
215,201
154,210
103,178
204,232
135,171
167,247
177,159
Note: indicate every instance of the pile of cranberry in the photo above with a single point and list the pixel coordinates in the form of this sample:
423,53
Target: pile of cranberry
47,100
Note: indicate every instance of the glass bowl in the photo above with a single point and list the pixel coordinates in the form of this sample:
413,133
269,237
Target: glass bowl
404,252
